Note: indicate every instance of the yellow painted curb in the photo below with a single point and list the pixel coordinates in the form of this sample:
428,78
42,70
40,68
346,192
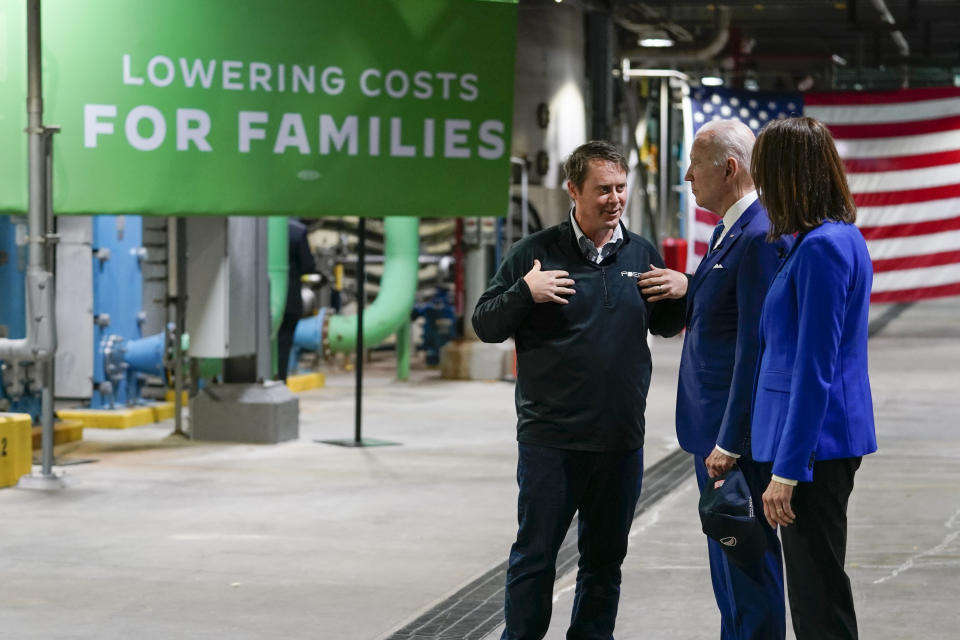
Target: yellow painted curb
164,410
306,381
63,431
16,454
118,418
171,395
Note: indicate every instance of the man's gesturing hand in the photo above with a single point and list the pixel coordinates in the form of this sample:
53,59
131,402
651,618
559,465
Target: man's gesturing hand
662,284
545,286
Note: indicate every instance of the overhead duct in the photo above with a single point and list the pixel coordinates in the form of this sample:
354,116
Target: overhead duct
685,56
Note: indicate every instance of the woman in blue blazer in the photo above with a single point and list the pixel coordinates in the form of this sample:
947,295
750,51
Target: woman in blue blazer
812,416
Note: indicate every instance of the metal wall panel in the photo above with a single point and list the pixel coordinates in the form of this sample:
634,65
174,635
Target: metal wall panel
74,278
221,260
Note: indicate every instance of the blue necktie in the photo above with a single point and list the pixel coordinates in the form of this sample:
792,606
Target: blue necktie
717,232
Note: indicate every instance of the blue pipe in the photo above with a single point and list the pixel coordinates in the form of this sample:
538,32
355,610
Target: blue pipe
146,354
308,336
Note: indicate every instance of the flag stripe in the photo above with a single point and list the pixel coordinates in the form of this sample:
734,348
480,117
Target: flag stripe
707,217
916,278
902,196
912,295
894,129
894,180
901,163
911,229
914,245
897,112
885,148
915,262
908,213
871,98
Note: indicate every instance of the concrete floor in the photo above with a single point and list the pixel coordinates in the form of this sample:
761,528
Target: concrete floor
161,538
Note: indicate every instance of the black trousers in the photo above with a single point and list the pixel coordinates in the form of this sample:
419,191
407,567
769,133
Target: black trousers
603,488
814,552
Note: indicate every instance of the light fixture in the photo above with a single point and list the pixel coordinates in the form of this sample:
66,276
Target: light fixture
654,37
840,60
655,42
711,81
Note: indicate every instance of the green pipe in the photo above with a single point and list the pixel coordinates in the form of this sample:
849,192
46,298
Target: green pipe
404,346
398,288
278,269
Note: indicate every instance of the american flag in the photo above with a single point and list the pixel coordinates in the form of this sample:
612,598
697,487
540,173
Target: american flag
902,154
754,109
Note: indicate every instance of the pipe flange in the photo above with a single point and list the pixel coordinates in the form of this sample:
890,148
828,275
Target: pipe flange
325,349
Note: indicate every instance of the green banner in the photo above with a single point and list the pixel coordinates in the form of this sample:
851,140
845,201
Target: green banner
247,107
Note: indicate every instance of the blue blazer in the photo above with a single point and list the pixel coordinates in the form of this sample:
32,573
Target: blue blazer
719,361
812,399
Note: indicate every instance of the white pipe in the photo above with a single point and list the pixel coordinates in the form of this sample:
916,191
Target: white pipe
40,341
898,37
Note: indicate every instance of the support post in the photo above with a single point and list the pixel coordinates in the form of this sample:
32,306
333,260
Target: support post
358,440
178,295
361,303
40,346
48,375
664,159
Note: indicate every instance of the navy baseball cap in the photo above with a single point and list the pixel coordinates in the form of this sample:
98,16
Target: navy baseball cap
727,515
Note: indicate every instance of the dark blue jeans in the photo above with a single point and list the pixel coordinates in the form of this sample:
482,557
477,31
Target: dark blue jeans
554,484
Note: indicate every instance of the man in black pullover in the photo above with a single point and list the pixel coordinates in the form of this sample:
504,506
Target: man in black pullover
569,297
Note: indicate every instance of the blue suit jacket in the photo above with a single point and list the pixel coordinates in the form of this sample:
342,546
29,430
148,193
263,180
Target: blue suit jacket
719,358
812,398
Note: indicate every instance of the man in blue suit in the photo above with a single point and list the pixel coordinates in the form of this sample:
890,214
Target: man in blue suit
724,300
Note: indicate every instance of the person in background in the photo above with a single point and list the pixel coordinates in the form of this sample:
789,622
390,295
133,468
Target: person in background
719,361
812,411
569,296
301,262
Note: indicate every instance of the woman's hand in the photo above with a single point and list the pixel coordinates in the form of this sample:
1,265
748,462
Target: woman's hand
776,504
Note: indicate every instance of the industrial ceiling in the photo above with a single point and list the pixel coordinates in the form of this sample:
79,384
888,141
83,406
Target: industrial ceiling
795,44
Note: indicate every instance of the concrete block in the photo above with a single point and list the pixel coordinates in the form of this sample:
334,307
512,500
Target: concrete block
475,360
241,412
455,360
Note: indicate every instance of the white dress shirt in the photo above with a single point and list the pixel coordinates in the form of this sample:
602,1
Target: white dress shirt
590,250
733,214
